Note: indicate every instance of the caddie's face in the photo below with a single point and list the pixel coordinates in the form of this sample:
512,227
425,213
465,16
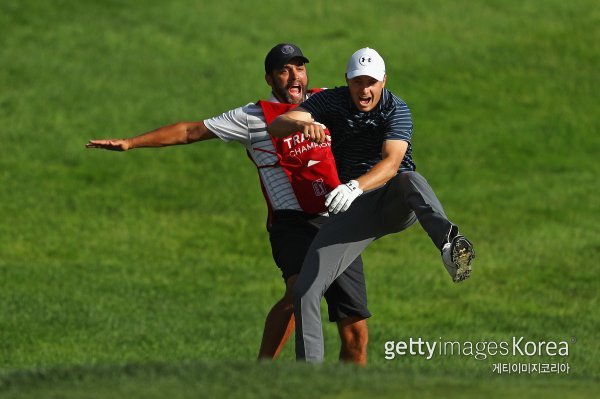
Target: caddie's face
365,91
289,84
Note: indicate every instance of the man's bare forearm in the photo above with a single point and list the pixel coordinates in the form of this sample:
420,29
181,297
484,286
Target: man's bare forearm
176,134
283,126
378,175
392,152
298,120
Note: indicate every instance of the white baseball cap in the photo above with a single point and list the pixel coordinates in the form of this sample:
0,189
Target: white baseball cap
366,61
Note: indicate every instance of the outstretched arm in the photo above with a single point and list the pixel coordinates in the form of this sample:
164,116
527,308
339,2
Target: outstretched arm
298,120
178,133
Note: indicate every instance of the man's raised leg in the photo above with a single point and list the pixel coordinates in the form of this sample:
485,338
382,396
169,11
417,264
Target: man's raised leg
457,251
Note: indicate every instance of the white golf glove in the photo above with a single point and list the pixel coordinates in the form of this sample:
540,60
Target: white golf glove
341,197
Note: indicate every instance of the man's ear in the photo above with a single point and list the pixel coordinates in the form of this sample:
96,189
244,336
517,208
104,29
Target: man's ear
384,80
269,79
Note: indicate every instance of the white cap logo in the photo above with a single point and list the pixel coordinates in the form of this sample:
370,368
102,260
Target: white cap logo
366,62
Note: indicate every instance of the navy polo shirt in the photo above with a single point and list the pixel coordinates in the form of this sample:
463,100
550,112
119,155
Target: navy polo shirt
357,137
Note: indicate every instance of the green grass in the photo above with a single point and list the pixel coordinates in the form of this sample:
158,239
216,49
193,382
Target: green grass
191,380
150,271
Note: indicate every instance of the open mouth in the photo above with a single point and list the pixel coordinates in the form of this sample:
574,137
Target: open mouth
295,90
364,101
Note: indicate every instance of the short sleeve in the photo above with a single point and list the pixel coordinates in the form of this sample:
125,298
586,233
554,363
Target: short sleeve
231,125
399,125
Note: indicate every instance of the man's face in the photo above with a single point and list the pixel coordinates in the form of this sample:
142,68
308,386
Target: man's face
365,91
290,82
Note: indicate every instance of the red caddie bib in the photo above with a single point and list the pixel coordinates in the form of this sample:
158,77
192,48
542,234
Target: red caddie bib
309,166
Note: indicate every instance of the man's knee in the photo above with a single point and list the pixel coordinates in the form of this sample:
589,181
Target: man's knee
354,333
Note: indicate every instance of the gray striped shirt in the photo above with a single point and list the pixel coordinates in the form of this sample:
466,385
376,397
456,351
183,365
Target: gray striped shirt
247,126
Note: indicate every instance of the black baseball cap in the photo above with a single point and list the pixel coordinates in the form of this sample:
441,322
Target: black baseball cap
281,55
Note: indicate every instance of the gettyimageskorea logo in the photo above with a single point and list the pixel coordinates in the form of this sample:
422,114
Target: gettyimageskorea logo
524,354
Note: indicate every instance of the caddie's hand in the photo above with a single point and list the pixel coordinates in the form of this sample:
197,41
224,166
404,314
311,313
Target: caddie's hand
111,144
341,197
315,131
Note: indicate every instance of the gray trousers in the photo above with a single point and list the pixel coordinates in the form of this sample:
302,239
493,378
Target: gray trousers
389,209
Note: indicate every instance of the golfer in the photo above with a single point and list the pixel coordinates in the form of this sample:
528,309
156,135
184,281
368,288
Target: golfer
371,136
295,176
